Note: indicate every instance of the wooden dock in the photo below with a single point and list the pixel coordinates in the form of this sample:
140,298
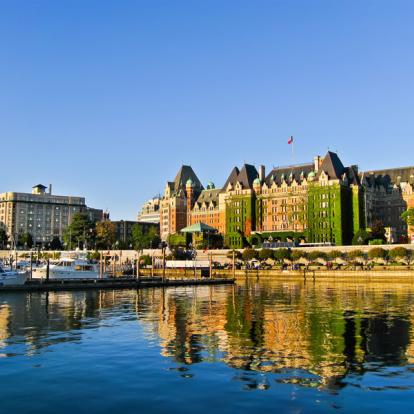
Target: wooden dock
118,283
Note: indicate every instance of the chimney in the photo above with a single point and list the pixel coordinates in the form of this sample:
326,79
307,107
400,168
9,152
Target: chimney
317,163
50,189
262,172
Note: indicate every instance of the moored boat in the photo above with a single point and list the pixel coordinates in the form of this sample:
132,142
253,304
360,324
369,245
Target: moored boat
12,278
68,268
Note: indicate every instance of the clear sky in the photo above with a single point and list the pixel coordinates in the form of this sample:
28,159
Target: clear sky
106,99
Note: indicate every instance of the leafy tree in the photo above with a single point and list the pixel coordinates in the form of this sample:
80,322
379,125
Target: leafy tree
265,254
105,234
353,255
145,260
377,253
144,240
249,254
315,255
25,240
177,240
399,253
361,237
335,254
94,255
281,254
81,231
298,254
56,244
153,237
3,238
376,242
408,216
378,230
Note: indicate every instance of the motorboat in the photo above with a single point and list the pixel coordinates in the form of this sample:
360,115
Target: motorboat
12,277
68,268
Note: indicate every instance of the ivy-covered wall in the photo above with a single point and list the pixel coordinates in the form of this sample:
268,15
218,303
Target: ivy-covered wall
240,219
334,213
325,209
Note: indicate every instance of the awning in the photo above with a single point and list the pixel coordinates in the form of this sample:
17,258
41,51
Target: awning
199,228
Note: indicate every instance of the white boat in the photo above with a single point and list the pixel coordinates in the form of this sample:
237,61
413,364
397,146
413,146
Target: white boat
68,268
12,278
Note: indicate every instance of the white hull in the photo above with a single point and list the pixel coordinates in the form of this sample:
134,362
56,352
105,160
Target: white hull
61,274
13,279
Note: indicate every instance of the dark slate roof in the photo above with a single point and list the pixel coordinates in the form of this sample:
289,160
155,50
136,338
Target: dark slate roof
209,196
232,177
332,166
390,176
184,174
245,176
352,174
296,170
39,186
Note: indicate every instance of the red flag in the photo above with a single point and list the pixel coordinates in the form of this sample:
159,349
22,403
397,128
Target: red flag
290,141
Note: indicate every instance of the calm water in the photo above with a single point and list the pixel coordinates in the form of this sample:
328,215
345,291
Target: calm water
270,346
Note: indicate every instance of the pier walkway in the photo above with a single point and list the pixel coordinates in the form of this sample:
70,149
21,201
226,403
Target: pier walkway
115,283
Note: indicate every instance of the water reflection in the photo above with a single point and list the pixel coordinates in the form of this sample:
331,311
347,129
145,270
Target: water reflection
313,335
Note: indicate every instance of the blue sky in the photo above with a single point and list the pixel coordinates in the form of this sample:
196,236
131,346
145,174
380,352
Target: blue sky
106,99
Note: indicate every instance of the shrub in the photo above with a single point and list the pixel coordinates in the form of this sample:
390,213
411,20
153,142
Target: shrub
398,253
361,237
376,242
315,255
145,260
335,254
353,255
95,255
265,254
298,254
281,254
249,254
377,253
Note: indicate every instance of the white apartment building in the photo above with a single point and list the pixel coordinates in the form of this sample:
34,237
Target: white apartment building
40,213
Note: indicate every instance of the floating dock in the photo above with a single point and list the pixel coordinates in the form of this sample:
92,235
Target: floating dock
115,283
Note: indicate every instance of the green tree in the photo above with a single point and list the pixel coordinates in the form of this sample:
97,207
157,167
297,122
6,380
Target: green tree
176,240
265,254
105,234
377,253
281,254
3,238
378,230
25,240
56,244
335,254
145,260
298,254
144,240
408,216
354,255
80,232
315,255
400,253
361,237
249,254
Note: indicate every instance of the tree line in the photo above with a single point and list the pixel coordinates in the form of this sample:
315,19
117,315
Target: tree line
85,233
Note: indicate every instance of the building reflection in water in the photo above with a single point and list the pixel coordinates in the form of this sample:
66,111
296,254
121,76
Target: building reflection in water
314,335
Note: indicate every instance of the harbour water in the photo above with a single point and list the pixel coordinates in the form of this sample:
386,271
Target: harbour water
268,347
